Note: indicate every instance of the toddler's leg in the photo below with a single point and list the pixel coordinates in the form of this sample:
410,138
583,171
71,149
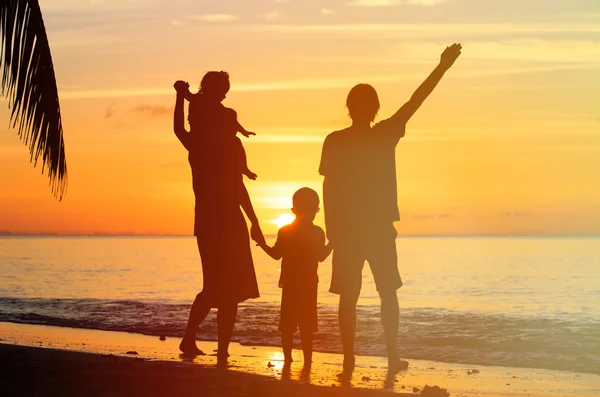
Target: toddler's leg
287,341
307,346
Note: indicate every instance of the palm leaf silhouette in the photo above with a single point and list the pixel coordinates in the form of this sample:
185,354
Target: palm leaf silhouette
29,83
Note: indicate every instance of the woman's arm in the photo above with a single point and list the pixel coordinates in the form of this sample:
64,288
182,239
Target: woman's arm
178,115
246,204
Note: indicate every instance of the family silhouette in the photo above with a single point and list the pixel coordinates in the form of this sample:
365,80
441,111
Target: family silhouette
360,204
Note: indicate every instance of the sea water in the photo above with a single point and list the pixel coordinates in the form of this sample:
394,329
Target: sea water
509,301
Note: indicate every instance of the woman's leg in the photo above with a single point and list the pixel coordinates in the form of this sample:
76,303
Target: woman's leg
307,346
287,342
226,317
198,313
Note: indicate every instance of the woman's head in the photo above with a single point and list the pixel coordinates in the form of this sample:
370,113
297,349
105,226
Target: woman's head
362,103
215,85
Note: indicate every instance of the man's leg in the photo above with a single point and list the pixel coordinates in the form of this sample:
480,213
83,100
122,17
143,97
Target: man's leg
226,317
390,316
347,321
383,261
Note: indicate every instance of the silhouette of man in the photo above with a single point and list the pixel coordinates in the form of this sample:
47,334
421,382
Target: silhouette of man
360,199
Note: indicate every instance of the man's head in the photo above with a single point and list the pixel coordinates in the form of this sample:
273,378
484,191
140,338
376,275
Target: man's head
362,103
305,204
215,85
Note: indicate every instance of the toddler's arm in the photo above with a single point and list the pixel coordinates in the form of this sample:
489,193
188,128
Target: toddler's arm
243,131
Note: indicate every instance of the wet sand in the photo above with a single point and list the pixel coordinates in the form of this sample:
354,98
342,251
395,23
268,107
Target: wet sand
48,361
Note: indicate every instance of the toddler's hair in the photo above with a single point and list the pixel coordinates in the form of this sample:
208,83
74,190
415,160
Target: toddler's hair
215,82
305,199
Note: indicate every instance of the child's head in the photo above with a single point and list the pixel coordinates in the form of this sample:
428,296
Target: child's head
215,85
230,121
305,204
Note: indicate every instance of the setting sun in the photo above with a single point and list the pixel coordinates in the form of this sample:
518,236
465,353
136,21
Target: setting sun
284,219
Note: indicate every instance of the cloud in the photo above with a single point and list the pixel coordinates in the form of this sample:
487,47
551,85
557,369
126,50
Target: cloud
109,111
517,214
388,3
273,16
215,17
427,3
177,23
153,110
327,11
431,216
373,3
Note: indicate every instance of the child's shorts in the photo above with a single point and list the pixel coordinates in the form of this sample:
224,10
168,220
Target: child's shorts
299,309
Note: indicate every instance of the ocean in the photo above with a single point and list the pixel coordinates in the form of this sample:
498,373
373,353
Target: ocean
503,301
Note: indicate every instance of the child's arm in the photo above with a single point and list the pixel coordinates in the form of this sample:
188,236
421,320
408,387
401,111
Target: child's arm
274,252
243,130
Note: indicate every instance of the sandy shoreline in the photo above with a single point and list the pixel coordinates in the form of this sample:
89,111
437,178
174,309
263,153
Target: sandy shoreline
57,361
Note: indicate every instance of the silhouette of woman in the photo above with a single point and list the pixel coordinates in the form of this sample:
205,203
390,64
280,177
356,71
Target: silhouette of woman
219,226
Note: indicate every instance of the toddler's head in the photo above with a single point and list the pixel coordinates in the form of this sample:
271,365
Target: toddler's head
215,85
305,204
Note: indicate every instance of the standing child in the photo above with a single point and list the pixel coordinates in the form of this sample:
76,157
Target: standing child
302,246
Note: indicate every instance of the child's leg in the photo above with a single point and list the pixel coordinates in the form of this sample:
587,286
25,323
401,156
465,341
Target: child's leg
287,341
307,345
250,174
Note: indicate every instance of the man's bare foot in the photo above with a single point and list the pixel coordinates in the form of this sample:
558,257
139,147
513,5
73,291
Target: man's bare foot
349,363
396,364
190,349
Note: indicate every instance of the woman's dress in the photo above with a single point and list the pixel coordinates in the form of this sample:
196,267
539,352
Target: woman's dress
219,225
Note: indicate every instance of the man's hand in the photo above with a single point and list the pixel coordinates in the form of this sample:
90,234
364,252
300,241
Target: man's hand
257,235
450,55
181,87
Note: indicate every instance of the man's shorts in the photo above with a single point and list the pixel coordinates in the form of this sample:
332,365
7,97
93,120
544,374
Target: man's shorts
376,246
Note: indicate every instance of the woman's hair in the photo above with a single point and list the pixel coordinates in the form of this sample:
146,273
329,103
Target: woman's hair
215,83
362,102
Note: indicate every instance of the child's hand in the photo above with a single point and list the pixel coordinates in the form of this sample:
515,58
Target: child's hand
248,134
181,87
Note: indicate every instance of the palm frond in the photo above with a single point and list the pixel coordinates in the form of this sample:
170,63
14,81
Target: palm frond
29,83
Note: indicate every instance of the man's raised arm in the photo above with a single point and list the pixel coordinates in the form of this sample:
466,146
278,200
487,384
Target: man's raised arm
447,59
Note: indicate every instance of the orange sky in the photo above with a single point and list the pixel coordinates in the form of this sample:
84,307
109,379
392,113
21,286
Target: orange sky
508,143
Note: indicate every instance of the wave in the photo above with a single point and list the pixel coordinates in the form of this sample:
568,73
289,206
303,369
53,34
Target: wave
425,333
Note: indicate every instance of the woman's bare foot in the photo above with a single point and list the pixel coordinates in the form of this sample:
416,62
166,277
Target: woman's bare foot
190,348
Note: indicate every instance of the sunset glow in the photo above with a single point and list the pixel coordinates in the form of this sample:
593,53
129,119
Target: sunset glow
507,144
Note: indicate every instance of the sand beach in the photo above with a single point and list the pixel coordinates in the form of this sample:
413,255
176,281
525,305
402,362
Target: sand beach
57,361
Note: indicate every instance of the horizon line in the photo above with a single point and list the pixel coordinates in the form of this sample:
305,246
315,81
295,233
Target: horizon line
49,234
